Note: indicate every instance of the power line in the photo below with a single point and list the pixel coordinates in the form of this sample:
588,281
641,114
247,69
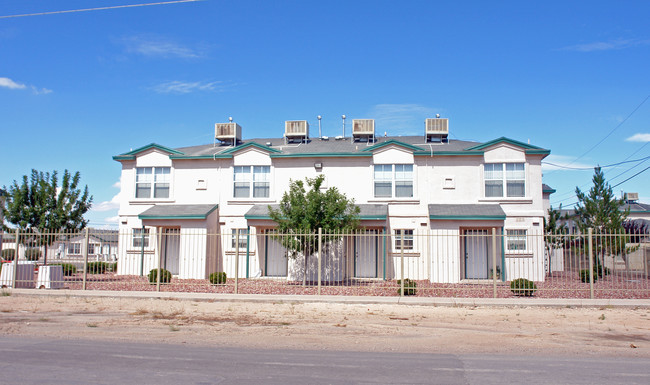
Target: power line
618,184
612,131
591,168
99,8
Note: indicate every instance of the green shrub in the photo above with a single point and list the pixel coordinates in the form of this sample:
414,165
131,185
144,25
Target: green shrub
409,287
522,286
601,270
584,275
32,254
165,276
218,278
68,268
112,267
8,254
97,267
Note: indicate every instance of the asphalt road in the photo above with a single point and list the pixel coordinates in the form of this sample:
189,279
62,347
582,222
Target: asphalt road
40,361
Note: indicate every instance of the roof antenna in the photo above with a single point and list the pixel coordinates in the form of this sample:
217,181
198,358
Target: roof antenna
343,117
320,133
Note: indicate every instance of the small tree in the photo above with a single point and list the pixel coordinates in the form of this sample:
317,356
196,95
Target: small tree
302,212
555,231
601,211
39,206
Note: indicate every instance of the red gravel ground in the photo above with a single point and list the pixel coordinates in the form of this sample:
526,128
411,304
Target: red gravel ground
559,285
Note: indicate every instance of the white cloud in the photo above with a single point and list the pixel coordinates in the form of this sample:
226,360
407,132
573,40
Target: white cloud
113,204
606,45
8,83
114,219
159,47
180,87
400,119
639,138
564,163
12,85
117,184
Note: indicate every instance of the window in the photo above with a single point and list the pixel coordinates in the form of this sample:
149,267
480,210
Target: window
146,177
138,239
516,240
258,176
386,176
91,248
514,179
243,237
408,239
74,248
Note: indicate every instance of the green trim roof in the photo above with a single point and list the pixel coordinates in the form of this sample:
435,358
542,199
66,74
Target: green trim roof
131,154
530,149
466,212
178,211
250,144
392,142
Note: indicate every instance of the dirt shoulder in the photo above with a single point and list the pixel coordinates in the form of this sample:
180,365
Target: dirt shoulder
334,326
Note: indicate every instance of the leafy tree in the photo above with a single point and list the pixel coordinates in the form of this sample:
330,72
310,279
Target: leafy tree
302,213
39,206
601,210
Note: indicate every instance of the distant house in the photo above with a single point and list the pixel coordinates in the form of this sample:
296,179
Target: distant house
184,206
102,246
639,213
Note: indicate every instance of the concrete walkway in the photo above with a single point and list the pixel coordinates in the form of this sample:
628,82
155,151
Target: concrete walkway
418,301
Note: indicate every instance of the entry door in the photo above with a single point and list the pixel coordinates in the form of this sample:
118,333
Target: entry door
476,258
172,248
365,246
275,264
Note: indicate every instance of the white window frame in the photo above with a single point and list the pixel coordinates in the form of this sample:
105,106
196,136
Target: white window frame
74,248
243,238
393,174
156,178
517,235
409,240
252,178
137,238
504,177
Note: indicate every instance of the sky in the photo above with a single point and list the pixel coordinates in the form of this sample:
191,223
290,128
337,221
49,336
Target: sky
77,88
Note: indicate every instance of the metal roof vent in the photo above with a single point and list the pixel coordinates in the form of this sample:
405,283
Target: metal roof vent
227,132
437,129
363,128
296,129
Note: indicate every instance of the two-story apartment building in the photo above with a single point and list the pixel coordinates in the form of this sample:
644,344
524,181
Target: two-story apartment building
425,198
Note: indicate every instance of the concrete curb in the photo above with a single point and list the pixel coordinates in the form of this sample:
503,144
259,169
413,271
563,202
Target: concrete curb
414,301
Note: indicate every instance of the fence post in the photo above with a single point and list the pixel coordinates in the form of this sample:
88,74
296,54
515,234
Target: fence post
237,261
159,247
141,252
383,232
16,255
494,262
248,251
591,264
83,287
320,256
401,246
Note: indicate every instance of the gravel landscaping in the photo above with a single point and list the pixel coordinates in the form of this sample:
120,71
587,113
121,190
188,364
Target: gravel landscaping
560,285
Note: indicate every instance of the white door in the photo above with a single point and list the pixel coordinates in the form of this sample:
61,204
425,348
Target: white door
476,258
171,248
365,246
275,261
